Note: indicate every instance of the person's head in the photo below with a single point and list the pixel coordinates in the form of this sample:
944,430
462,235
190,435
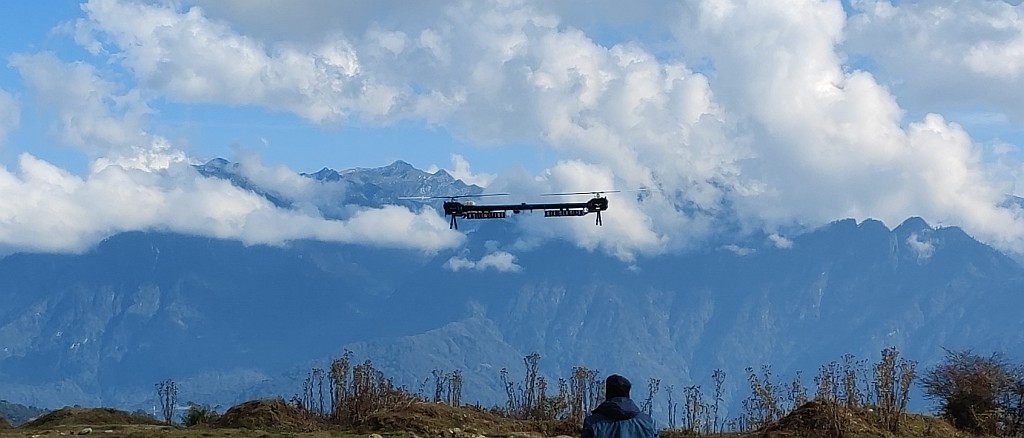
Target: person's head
616,386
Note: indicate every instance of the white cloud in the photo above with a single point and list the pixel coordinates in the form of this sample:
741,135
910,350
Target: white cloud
491,72
741,251
460,170
49,209
831,141
780,242
93,114
190,58
140,181
944,55
922,247
500,261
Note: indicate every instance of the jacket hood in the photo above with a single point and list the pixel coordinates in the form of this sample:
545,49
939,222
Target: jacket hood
618,408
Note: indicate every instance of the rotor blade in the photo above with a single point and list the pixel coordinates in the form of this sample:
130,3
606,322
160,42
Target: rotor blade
423,198
593,193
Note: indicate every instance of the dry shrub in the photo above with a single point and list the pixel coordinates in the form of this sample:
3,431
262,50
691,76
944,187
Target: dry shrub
970,391
433,418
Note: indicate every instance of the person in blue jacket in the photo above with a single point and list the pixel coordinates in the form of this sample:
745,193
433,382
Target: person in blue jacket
618,416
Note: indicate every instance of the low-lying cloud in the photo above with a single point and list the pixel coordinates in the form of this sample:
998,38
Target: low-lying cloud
49,209
500,261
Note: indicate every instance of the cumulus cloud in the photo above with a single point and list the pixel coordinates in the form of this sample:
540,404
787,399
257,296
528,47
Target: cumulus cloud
140,181
746,113
832,141
939,54
493,73
461,170
190,58
500,261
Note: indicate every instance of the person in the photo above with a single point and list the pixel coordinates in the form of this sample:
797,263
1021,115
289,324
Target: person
618,416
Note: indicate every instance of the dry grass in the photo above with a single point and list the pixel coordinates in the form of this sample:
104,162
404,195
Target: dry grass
435,419
814,419
273,415
275,418
141,431
95,417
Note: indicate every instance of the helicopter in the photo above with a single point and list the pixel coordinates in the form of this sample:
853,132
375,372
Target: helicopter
455,208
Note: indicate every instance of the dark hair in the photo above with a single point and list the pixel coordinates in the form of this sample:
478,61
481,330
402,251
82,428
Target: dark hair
616,386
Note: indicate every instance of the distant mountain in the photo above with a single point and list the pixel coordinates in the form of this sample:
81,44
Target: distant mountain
17,414
373,187
386,185
223,169
231,322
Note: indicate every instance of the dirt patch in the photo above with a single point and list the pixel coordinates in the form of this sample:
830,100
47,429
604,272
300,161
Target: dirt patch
89,417
4,424
435,419
275,415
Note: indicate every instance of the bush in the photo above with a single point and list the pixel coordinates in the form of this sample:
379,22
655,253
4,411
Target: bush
198,415
969,389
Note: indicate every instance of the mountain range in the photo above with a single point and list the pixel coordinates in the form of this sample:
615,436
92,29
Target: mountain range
231,322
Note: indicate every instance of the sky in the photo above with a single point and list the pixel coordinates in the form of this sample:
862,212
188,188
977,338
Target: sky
770,117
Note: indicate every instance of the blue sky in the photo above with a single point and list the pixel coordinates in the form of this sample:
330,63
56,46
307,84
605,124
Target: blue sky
778,116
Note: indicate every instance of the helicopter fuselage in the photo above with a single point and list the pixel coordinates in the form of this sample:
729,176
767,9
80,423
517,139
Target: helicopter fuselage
467,210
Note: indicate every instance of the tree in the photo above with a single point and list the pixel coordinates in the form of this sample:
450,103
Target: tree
968,388
167,393
198,415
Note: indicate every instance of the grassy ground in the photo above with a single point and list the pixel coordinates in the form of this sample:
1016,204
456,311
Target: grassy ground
274,418
136,430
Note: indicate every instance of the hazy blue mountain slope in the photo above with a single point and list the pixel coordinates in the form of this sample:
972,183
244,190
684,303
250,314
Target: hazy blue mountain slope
144,307
231,322
847,288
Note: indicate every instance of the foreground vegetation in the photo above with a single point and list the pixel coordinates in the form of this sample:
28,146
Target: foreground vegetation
976,395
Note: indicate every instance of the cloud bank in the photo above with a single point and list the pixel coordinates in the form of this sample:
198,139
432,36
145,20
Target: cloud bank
48,209
764,116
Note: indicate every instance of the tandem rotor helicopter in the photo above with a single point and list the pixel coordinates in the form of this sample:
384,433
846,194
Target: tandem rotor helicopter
470,210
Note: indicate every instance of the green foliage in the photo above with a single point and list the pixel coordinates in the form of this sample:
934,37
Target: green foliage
198,415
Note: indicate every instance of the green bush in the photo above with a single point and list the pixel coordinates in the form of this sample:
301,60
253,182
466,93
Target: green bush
198,415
